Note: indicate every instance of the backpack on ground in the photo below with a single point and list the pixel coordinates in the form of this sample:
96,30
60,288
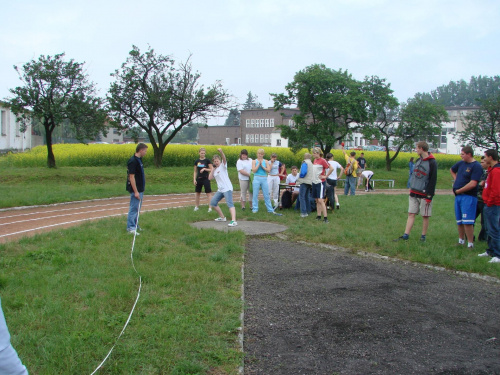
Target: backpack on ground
286,199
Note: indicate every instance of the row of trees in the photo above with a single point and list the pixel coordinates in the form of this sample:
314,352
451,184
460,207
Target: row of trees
334,105
154,94
150,92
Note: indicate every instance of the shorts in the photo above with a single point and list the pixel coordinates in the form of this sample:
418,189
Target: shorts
465,209
203,182
420,206
318,190
218,197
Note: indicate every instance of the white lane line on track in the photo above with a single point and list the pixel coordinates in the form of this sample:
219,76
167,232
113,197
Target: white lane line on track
80,221
90,206
122,207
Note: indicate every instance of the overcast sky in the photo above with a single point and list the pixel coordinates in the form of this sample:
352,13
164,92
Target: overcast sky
259,45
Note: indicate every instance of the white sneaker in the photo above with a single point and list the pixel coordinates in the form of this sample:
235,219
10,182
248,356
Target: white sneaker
494,260
133,232
209,209
304,215
485,254
232,223
220,219
196,208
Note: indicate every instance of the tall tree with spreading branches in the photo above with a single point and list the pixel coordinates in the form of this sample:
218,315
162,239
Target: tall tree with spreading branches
482,127
332,105
56,91
151,92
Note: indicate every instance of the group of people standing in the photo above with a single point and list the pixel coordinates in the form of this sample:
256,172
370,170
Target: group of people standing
471,179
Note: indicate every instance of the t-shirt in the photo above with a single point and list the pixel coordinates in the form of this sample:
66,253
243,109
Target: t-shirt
323,163
200,164
291,179
361,162
467,172
275,168
221,176
135,167
367,174
245,165
335,165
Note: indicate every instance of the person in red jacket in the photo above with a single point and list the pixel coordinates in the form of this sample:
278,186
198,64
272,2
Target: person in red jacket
491,198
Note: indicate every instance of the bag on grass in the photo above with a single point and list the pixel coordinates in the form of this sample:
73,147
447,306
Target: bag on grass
286,199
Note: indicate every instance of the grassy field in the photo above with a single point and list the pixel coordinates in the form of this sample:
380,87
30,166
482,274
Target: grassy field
66,294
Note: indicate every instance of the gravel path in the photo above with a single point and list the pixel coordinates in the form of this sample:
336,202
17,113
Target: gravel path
318,311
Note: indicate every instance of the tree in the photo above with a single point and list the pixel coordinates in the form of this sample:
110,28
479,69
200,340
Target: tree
233,118
382,108
418,120
252,102
57,91
482,127
332,105
463,94
150,92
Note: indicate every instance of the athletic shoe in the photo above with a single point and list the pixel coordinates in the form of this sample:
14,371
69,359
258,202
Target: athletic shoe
494,260
209,209
254,212
304,215
402,238
243,208
232,223
220,219
485,254
275,213
196,208
318,218
326,220
366,190
422,238
133,232
338,206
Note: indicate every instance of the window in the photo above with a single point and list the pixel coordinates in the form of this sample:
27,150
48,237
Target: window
262,138
247,123
278,142
267,138
247,138
3,124
239,141
252,123
251,138
291,123
262,123
271,122
267,122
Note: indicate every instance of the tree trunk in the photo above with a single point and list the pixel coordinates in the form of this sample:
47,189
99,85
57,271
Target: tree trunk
51,160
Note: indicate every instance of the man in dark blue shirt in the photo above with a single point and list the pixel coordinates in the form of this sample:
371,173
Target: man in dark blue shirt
136,182
466,174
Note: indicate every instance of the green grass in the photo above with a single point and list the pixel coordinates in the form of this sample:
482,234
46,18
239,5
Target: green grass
67,295
34,186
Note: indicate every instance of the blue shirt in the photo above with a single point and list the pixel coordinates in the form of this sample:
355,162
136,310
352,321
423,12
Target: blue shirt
467,172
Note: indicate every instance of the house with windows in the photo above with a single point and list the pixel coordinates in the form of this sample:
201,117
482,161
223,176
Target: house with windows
11,136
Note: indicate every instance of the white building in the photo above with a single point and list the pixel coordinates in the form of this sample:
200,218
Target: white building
11,137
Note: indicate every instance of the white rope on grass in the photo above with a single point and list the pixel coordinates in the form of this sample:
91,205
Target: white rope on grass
138,292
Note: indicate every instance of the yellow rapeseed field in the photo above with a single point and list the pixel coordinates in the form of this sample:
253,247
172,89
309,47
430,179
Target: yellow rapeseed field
81,155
